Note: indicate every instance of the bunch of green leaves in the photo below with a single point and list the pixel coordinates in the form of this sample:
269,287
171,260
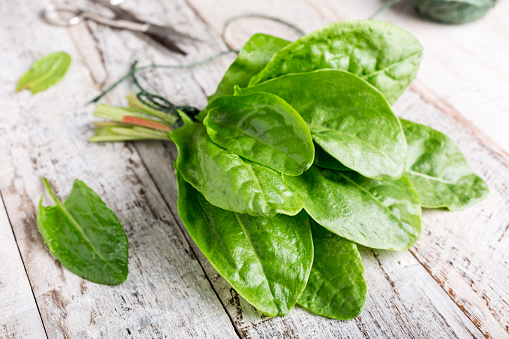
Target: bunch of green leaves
298,157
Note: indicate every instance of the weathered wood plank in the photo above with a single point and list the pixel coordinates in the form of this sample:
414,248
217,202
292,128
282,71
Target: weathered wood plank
19,317
393,314
166,293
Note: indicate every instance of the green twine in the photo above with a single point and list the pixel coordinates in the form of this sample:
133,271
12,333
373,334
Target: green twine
152,100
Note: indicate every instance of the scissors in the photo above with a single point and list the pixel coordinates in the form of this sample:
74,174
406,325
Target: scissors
123,19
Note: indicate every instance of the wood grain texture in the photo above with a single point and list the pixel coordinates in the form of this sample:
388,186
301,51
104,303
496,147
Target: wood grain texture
19,316
452,284
166,293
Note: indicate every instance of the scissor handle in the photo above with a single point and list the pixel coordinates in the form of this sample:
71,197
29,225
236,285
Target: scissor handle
51,14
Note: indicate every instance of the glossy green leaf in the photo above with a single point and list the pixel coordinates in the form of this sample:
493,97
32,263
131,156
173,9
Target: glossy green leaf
45,72
267,260
384,55
439,171
347,117
325,160
336,287
376,214
255,54
262,128
85,236
228,181
453,11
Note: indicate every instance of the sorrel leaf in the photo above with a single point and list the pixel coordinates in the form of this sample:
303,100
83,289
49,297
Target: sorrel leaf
85,236
347,117
384,55
325,160
228,181
439,171
263,128
45,72
266,260
255,54
376,214
336,287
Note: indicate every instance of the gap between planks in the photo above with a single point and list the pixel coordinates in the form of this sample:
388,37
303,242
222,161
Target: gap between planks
2,205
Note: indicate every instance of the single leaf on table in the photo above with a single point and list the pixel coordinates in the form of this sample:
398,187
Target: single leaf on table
266,260
376,214
255,54
452,11
84,235
228,181
439,171
45,72
384,55
347,117
336,287
263,128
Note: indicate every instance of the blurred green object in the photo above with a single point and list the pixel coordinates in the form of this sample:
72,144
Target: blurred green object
452,11
45,72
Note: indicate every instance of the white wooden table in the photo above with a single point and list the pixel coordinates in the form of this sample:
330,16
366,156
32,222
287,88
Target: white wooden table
453,283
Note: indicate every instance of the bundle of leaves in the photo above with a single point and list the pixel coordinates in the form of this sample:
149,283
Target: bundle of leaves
298,158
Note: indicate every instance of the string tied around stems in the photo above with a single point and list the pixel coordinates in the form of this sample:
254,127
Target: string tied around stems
162,104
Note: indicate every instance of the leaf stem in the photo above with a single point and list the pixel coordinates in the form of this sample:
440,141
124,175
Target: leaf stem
50,191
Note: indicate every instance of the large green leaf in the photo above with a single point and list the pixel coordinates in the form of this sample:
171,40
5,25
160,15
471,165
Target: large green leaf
336,287
439,171
85,236
263,128
45,72
267,260
384,55
376,214
228,181
453,11
349,118
255,54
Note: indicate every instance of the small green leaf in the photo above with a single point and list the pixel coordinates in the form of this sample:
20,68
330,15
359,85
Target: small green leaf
384,55
228,181
376,214
336,287
263,128
45,72
267,260
347,117
452,11
255,54
84,235
439,171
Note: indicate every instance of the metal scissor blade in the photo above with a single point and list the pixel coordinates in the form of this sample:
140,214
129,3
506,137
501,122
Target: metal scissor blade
161,34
